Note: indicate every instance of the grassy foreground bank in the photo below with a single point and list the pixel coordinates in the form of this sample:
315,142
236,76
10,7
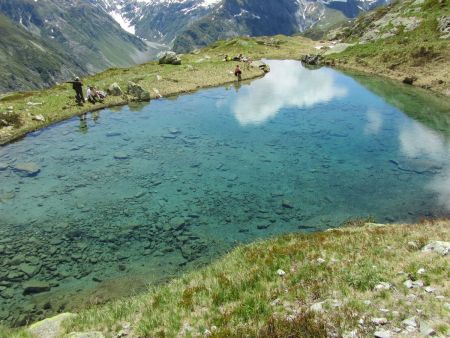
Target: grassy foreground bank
351,281
200,69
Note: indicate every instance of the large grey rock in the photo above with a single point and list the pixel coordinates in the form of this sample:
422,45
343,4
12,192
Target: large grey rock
35,286
382,334
27,169
312,59
114,89
440,247
49,327
170,58
138,92
29,270
261,65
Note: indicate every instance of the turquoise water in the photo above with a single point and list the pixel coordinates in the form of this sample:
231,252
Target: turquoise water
139,194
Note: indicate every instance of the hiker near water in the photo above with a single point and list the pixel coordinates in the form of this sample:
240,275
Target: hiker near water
238,72
77,85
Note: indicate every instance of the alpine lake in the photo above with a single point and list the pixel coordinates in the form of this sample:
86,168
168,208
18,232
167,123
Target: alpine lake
97,208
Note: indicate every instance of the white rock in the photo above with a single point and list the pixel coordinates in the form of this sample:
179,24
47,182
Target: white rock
367,302
382,334
382,286
410,322
317,307
384,310
426,330
440,247
408,284
429,289
379,321
280,272
320,260
158,77
421,271
39,118
207,333
351,334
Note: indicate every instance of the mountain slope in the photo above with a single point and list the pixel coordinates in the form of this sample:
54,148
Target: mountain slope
408,40
80,32
256,18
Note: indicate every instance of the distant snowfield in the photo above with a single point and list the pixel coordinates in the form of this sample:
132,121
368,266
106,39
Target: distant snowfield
124,23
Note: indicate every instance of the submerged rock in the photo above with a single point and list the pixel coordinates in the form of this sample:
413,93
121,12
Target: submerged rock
35,286
27,169
121,156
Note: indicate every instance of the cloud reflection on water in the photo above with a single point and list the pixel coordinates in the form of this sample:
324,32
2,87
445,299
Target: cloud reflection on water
418,141
374,122
288,84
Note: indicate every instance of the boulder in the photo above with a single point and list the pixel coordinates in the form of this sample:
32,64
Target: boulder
138,92
440,247
312,59
409,80
169,58
35,286
114,89
261,65
27,169
49,327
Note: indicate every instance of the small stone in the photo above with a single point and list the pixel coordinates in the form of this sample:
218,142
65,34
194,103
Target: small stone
379,321
382,334
421,271
408,283
426,330
29,270
39,118
409,80
410,322
382,286
413,245
280,273
317,307
320,260
121,156
429,289
351,334
287,204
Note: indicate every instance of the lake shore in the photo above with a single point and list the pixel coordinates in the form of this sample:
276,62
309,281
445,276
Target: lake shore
31,111
387,278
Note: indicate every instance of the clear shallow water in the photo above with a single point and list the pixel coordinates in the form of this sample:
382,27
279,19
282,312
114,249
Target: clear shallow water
140,193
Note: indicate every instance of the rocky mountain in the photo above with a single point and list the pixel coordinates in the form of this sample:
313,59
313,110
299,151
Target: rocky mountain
186,24
51,40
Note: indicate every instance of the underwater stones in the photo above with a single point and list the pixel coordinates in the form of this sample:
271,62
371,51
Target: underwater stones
287,204
3,166
27,169
174,131
262,226
29,270
35,286
177,222
121,156
7,293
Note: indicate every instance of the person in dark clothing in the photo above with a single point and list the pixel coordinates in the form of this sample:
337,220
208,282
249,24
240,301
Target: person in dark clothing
238,73
77,85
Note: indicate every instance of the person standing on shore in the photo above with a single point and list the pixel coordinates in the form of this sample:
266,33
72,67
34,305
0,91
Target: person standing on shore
77,85
238,73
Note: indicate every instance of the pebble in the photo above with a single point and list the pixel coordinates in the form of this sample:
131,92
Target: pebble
382,334
280,272
426,330
382,286
121,156
421,271
410,322
287,204
379,321
429,289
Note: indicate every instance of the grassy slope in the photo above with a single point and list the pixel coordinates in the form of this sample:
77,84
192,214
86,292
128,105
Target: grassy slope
420,52
197,71
242,294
